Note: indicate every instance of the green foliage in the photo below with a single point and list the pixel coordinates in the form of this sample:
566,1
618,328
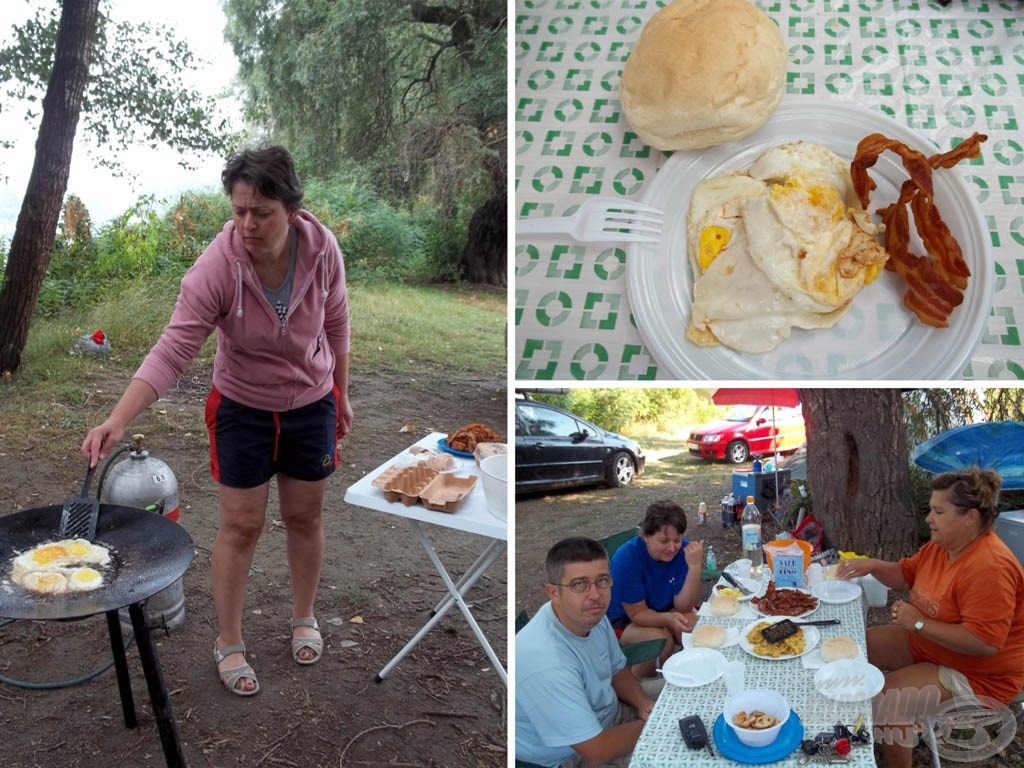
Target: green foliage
379,241
636,410
134,92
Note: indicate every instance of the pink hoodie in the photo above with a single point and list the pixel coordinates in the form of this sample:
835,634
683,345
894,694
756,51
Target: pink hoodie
260,361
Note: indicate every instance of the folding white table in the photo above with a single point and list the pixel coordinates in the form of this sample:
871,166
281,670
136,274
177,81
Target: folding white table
471,516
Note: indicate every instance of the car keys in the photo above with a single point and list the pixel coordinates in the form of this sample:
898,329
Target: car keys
694,733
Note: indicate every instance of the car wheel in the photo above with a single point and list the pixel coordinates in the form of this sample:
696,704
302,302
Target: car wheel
736,452
621,470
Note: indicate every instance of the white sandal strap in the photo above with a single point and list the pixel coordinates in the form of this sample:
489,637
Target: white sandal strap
307,622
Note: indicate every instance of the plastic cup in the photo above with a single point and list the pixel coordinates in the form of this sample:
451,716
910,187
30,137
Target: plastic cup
734,673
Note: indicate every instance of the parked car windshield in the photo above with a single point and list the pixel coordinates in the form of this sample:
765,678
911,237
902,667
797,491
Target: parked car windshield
741,413
544,422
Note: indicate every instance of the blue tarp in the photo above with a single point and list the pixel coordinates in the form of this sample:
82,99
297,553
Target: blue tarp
997,445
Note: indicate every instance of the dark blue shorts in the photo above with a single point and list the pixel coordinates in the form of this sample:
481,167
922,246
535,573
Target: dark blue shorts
249,446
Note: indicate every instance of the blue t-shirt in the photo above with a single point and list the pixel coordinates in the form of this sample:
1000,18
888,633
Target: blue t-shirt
563,687
638,576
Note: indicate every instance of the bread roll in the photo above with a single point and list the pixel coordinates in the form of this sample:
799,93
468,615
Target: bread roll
708,636
704,72
839,647
724,605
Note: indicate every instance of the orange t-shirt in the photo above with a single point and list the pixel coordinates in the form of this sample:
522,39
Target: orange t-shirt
983,591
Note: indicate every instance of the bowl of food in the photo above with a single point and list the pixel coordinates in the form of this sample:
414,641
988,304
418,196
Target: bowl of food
495,475
756,716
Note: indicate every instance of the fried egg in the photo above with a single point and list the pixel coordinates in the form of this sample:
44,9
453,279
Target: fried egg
45,582
780,245
84,579
83,551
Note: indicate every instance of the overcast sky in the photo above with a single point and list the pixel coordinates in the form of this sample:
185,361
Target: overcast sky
201,24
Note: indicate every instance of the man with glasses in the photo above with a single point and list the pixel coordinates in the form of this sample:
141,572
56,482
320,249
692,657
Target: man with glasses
570,671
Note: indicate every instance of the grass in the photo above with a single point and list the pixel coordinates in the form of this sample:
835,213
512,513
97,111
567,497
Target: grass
395,328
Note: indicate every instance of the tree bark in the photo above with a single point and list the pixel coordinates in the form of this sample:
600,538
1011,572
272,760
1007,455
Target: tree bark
32,244
858,470
484,259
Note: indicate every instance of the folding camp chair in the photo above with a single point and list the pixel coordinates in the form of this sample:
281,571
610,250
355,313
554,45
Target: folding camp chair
968,719
637,653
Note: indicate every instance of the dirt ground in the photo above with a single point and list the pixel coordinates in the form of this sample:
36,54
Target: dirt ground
543,519
443,705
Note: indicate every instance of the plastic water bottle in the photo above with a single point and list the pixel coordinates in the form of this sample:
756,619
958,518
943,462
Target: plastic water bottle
756,466
711,559
750,524
702,513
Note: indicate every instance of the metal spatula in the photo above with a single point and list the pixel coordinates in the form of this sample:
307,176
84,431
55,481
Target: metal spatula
779,631
78,518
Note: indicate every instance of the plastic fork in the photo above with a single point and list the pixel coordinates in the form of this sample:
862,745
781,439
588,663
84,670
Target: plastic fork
601,220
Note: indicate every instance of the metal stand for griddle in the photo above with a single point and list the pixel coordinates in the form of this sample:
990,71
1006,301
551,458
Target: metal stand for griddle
158,696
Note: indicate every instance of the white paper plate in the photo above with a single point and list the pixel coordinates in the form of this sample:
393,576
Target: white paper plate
752,584
811,638
877,338
694,667
848,680
759,612
836,591
732,636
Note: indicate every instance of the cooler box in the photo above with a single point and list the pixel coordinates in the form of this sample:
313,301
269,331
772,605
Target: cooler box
760,485
1010,528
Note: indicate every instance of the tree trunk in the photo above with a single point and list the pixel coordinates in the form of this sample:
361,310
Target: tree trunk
32,244
484,259
858,470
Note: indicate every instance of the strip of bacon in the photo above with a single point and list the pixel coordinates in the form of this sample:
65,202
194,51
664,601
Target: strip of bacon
935,283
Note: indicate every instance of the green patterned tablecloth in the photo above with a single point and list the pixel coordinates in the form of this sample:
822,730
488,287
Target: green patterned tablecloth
943,72
661,746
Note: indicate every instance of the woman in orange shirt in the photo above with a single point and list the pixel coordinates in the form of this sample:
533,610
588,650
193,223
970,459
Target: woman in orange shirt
961,633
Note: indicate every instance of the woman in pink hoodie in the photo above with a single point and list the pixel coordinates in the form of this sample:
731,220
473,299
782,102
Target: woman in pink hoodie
272,287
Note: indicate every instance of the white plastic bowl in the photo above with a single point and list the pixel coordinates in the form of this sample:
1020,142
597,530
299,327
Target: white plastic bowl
768,702
495,476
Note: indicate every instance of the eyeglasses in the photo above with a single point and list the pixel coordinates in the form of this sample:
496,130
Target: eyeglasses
583,585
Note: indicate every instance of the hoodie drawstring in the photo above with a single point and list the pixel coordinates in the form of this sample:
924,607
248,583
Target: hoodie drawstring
323,277
238,286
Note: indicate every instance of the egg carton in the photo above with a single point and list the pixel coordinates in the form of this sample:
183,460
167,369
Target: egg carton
407,483
446,491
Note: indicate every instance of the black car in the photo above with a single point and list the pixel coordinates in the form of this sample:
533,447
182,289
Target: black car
557,449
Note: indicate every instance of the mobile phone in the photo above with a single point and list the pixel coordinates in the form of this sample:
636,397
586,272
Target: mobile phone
695,734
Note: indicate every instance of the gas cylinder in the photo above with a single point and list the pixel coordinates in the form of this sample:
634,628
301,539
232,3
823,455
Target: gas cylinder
142,481
145,482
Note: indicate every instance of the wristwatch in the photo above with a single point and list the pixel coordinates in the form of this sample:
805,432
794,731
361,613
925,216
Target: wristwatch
919,625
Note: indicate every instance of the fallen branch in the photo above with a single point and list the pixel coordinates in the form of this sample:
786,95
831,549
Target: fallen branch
341,760
275,745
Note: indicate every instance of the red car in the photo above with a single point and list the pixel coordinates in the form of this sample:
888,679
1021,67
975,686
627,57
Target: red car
749,430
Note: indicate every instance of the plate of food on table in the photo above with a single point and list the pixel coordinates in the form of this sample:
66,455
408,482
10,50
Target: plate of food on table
463,441
787,601
753,641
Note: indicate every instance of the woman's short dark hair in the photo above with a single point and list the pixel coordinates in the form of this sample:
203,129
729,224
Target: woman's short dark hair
973,488
270,170
577,549
662,513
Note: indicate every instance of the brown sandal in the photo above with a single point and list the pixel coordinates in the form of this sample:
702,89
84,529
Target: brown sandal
314,644
229,677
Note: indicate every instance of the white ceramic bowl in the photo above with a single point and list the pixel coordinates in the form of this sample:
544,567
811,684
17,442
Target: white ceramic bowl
769,702
495,476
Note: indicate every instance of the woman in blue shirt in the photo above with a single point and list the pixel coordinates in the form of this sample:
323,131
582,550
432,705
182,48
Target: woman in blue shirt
656,582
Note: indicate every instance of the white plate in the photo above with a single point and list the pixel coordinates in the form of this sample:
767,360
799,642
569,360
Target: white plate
877,338
759,612
811,638
732,636
836,591
848,680
694,667
750,584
